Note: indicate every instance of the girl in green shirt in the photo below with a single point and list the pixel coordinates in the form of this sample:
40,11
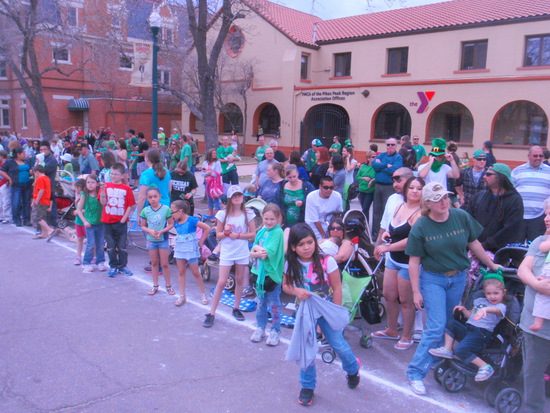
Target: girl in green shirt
365,177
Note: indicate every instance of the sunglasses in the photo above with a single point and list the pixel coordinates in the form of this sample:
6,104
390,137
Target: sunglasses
326,187
489,173
538,156
336,228
480,159
391,144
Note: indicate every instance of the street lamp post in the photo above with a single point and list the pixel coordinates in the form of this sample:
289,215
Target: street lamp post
154,22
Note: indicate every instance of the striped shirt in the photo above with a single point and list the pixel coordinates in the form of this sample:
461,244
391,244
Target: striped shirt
533,184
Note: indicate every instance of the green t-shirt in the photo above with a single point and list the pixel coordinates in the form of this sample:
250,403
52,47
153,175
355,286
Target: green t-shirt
162,138
260,152
92,209
222,153
336,146
420,152
443,246
186,151
365,170
156,220
273,241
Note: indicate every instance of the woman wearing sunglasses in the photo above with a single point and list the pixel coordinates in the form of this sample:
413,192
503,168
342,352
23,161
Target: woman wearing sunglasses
337,228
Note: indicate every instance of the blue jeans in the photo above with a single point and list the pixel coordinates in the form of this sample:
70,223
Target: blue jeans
366,201
21,202
274,298
95,238
213,203
441,294
308,377
471,339
231,177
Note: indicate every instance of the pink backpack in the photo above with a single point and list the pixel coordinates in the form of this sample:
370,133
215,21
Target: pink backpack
214,187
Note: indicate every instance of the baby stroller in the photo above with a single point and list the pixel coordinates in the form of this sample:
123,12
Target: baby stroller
504,352
361,296
65,197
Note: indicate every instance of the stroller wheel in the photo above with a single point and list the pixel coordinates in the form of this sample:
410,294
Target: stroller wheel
62,223
366,341
508,401
492,390
230,283
440,369
381,309
205,272
171,259
328,356
453,380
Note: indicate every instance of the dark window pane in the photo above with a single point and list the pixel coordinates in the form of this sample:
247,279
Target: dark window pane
452,121
398,60
392,120
342,64
303,67
270,119
537,51
521,123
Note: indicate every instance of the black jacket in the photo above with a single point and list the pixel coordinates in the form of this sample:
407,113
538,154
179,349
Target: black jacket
12,169
501,218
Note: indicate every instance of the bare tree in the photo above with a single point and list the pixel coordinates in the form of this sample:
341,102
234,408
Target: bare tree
23,24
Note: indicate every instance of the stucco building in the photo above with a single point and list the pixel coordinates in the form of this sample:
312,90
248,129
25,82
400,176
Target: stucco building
466,70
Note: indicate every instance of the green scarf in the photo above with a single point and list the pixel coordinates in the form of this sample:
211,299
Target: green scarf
273,265
436,166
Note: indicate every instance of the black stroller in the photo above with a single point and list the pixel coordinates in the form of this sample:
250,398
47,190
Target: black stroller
504,352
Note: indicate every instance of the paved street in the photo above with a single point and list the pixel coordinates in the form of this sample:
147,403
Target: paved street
75,342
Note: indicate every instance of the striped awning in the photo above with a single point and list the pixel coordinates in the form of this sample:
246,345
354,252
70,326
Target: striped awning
79,104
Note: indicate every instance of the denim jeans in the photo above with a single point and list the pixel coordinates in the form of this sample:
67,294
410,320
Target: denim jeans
273,298
441,294
308,377
95,237
116,235
21,202
366,200
213,203
231,177
471,339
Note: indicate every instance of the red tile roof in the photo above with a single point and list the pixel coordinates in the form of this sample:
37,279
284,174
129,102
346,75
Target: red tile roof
299,26
296,25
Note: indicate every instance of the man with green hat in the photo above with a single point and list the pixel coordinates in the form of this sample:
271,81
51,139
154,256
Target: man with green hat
309,156
436,170
498,208
471,180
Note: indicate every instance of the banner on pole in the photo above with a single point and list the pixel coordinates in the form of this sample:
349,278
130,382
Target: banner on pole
143,65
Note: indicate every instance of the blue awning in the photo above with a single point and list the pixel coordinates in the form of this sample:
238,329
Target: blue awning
79,104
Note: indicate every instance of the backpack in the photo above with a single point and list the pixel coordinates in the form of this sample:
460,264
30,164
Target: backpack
214,187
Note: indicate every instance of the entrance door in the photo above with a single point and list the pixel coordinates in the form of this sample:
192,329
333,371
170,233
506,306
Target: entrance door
324,122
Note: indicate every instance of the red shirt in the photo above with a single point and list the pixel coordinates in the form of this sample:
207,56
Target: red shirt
43,182
119,198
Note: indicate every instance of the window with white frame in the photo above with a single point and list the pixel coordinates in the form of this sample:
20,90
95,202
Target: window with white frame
61,54
164,77
5,113
24,124
3,70
168,36
125,61
72,16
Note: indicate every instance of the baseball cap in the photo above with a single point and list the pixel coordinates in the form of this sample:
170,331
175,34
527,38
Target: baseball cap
234,189
503,169
480,154
434,192
67,157
317,142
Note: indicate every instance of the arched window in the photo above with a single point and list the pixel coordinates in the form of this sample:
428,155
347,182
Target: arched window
323,122
231,118
391,120
195,124
267,116
521,123
451,121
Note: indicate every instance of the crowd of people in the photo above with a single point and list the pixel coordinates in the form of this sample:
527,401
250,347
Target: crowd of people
433,214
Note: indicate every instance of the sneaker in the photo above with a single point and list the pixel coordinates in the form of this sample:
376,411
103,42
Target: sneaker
484,373
306,397
417,336
112,272
148,270
214,257
27,223
248,291
354,379
208,321
88,269
258,335
77,261
273,338
441,352
417,386
126,271
93,260
237,314
101,267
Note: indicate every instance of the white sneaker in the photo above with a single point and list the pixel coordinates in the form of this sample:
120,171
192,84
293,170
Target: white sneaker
417,386
273,338
88,269
258,335
101,267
